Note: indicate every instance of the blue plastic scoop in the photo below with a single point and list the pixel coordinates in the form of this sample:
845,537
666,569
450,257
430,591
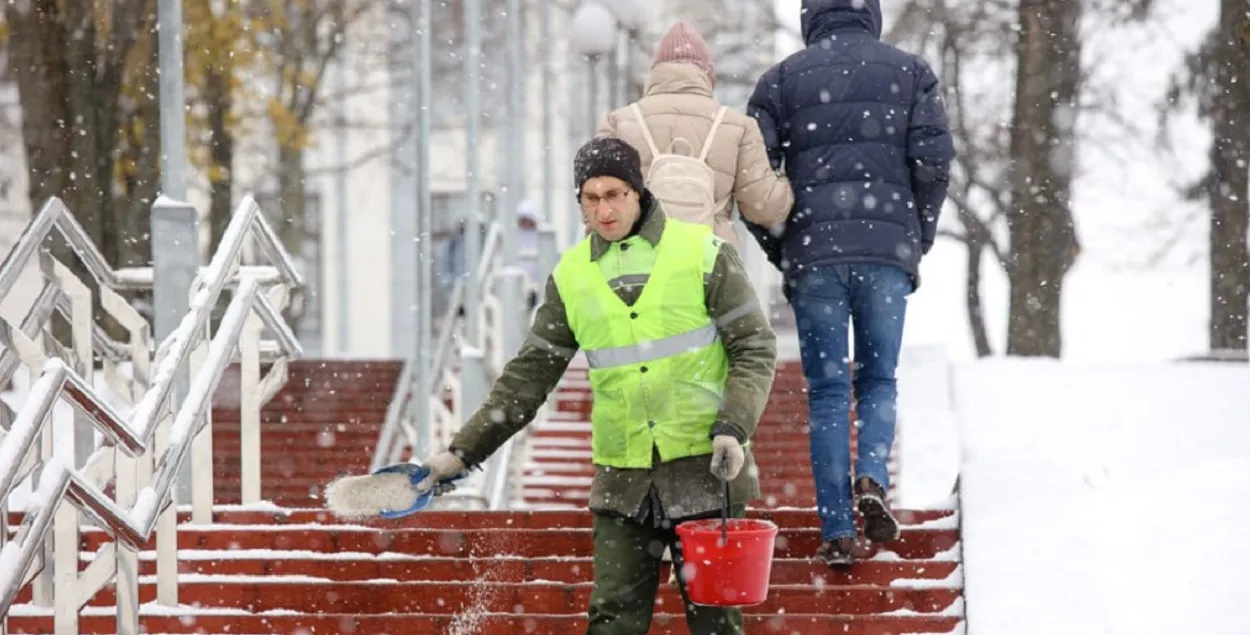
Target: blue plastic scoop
416,474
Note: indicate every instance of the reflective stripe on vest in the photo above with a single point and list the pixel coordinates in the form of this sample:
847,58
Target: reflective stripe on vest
657,367
654,349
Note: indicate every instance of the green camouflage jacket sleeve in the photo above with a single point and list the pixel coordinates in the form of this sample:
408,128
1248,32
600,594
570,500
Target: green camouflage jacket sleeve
524,385
749,342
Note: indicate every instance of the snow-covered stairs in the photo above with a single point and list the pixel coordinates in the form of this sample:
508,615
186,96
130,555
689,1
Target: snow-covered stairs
781,443
557,474
496,573
323,423
557,471
300,571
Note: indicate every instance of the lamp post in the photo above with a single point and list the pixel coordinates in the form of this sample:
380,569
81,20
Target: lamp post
176,254
472,358
423,60
512,277
629,15
549,184
594,34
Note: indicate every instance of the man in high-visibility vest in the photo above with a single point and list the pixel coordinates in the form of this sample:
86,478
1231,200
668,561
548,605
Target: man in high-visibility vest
681,360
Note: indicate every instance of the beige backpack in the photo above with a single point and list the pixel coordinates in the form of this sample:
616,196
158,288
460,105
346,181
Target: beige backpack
684,185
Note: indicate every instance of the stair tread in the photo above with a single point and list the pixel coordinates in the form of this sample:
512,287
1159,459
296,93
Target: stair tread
665,623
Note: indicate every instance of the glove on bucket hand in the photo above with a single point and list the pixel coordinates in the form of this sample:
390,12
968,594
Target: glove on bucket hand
728,457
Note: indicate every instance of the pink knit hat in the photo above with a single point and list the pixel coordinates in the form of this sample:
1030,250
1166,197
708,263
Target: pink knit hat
684,44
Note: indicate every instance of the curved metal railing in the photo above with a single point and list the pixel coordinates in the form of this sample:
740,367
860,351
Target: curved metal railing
140,457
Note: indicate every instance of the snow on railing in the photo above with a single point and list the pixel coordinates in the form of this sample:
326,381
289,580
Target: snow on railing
158,425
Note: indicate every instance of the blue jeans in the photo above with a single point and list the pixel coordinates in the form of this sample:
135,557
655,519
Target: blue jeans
827,301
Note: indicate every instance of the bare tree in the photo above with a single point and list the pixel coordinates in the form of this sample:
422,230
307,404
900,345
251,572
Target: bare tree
85,73
1218,78
1010,184
294,51
447,61
973,36
1043,159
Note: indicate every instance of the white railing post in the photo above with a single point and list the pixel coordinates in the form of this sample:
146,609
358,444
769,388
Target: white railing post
168,434
201,448
45,582
68,521
249,409
65,571
166,524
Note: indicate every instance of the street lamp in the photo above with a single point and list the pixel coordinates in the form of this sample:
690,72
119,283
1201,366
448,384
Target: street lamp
594,33
629,15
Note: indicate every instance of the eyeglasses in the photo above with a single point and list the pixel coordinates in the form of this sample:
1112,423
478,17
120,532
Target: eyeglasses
591,201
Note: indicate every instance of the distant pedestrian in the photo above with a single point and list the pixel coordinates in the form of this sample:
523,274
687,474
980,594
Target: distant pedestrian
698,156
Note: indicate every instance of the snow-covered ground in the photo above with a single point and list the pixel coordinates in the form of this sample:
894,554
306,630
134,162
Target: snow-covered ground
1103,498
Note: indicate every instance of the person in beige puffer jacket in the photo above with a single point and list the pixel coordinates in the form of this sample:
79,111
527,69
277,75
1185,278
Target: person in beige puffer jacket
678,102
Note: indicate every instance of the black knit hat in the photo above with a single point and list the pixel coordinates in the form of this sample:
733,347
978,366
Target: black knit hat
607,156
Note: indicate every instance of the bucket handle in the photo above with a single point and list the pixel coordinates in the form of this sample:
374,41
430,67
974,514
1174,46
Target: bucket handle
724,512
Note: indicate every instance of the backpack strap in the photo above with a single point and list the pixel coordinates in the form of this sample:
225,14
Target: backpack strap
646,132
711,135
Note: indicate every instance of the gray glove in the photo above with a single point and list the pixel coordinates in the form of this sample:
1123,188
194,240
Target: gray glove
728,457
443,465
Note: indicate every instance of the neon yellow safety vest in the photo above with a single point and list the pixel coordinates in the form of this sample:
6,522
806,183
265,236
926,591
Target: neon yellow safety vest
658,368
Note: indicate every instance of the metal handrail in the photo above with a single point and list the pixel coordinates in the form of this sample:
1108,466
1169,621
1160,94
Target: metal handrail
59,481
178,345
54,215
399,425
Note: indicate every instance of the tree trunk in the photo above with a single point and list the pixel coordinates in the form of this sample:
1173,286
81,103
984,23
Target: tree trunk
140,157
70,77
1228,193
972,298
221,153
48,63
1043,156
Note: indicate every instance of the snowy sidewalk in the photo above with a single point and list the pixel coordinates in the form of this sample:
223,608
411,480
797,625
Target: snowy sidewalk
1105,499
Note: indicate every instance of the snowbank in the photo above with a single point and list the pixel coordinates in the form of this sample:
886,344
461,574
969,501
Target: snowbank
1106,499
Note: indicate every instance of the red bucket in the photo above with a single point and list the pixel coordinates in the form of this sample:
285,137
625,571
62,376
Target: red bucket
727,574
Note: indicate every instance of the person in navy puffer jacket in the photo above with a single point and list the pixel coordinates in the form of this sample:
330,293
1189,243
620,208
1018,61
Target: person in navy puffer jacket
861,130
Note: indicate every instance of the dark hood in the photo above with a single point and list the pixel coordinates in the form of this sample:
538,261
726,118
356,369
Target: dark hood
822,18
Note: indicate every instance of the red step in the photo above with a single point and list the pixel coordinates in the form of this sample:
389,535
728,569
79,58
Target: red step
351,623
443,597
516,572
325,421
785,571
913,544
231,518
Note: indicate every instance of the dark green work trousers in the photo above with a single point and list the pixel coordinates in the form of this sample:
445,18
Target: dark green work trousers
627,575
